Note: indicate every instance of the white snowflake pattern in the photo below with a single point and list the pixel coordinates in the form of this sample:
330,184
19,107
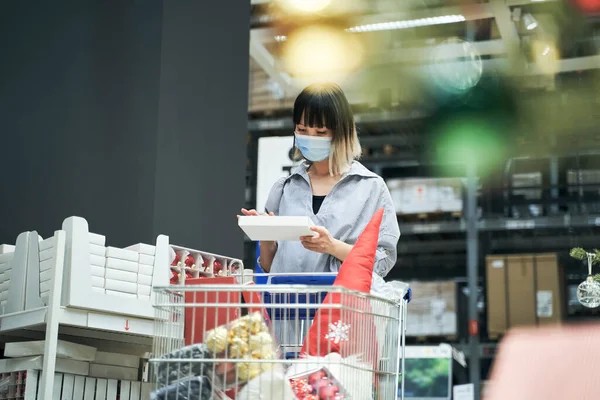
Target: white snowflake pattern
338,332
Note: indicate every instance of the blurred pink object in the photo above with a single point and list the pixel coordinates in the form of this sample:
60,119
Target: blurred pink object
555,363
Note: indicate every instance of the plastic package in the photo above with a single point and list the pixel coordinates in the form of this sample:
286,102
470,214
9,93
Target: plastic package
317,385
394,290
169,372
197,388
249,342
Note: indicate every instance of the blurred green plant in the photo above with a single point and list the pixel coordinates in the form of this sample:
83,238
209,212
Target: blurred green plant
427,377
581,254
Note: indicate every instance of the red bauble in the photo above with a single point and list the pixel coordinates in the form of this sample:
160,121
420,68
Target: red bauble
217,267
189,261
176,260
320,384
312,378
588,6
328,392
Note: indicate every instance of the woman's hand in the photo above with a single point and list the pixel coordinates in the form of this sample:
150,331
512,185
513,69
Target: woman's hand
320,242
323,242
267,248
254,213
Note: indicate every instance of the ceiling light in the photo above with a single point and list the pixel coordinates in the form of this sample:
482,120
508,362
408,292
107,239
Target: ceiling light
529,21
280,38
413,23
308,5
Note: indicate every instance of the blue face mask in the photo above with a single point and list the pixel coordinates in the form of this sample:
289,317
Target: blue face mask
313,148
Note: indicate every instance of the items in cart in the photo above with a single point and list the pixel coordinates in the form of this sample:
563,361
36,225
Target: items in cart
169,372
247,340
196,388
268,385
317,385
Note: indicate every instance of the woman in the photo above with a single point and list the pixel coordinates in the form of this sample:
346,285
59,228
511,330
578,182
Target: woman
338,193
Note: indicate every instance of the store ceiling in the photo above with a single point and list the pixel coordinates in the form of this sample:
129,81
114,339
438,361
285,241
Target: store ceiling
497,30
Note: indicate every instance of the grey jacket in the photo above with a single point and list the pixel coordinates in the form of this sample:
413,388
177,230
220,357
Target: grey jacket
345,212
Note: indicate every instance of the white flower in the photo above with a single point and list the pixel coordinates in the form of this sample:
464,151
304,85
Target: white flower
338,332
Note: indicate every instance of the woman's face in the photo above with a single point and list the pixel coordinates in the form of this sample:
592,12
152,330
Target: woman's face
302,129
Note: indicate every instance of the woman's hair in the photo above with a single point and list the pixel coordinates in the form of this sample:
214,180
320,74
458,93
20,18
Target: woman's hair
326,106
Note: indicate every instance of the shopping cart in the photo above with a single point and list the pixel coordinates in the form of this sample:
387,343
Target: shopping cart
243,341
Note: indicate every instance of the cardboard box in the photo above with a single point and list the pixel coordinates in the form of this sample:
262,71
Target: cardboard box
432,311
523,290
496,295
426,195
550,290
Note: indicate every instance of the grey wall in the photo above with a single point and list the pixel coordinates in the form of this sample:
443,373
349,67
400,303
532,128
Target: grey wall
127,114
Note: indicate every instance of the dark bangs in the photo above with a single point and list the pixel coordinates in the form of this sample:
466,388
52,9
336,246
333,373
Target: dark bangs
320,106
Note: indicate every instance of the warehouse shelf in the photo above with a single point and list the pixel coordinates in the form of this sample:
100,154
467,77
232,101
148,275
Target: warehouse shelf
504,224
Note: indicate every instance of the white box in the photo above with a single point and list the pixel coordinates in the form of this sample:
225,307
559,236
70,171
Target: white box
47,254
98,271
121,254
46,265
146,259
145,280
46,244
146,269
123,265
98,282
121,294
121,275
97,250
142,297
144,290
45,275
64,349
99,261
6,248
142,248
45,286
99,240
121,286
6,257
275,228
77,285
98,290
117,359
426,195
113,372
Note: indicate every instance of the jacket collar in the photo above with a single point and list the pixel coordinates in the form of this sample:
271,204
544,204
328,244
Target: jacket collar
356,169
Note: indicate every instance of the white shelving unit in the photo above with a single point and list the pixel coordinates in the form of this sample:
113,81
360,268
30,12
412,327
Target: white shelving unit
49,291
50,287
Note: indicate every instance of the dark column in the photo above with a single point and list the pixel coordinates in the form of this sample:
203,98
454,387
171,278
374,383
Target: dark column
202,134
91,126
78,114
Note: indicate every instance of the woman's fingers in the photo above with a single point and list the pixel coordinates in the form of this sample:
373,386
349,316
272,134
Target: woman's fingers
255,213
249,212
310,239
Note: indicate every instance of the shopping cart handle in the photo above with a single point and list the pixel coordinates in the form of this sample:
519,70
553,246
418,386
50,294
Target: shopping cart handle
408,295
